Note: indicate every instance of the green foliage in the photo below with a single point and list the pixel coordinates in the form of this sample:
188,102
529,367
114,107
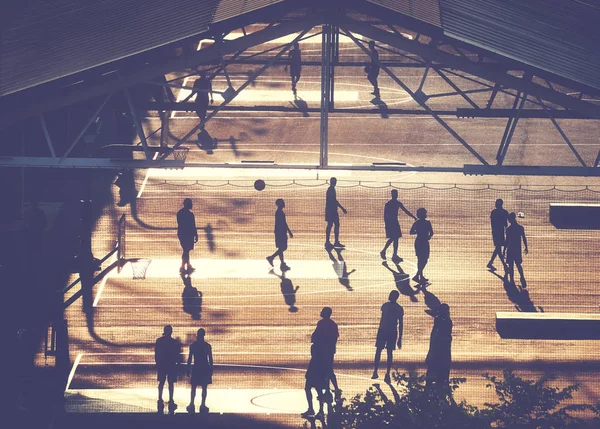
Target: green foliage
522,404
526,404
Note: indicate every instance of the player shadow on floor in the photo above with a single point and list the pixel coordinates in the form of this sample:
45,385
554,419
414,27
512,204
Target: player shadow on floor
191,298
208,143
519,296
301,105
208,229
402,281
383,108
287,290
431,301
340,267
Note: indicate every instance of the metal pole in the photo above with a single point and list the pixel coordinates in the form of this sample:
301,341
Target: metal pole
325,93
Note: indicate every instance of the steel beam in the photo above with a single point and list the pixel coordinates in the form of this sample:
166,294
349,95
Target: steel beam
47,135
421,102
68,96
462,93
105,163
235,93
461,112
511,125
562,133
483,70
85,128
138,124
467,169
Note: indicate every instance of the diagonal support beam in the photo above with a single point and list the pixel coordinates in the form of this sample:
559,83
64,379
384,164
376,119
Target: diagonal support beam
47,135
597,162
236,92
562,133
455,87
483,70
511,126
493,96
420,102
138,124
85,128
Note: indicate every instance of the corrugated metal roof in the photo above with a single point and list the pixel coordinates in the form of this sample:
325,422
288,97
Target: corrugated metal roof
423,10
558,36
49,39
231,8
53,39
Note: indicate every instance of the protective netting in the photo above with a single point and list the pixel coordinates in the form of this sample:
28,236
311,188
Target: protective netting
257,319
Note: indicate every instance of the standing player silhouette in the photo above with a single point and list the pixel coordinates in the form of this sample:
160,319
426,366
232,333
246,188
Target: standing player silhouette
187,234
423,230
166,356
499,221
392,225
281,235
512,250
201,370
331,215
203,90
373,69
389,333
295,56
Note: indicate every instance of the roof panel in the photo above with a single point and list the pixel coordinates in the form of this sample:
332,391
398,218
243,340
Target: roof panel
423,10
558,36
50,40
231,8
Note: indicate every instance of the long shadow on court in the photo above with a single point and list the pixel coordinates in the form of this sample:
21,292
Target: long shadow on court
402,281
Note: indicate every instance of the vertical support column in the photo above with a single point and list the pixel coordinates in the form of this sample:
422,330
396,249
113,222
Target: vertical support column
326,89
335,57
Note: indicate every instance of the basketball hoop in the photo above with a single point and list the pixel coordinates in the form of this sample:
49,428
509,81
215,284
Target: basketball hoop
139,267
180,154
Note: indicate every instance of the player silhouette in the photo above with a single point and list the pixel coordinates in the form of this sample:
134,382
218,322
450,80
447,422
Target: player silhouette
512,250
439,356
499,221
187,234
201,371
392,225
295,56
331,215
281,235
389,333
373,69
203,90
423,231
166,355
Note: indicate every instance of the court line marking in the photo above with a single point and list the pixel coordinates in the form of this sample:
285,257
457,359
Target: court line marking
73,369
113,259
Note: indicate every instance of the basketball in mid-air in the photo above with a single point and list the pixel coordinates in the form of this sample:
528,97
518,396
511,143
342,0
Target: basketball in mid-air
259,185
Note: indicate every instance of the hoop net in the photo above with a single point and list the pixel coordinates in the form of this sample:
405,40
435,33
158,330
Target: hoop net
139,268
180,154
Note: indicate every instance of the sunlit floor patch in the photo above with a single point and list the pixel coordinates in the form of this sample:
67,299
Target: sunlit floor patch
243,401
272,95
237,268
